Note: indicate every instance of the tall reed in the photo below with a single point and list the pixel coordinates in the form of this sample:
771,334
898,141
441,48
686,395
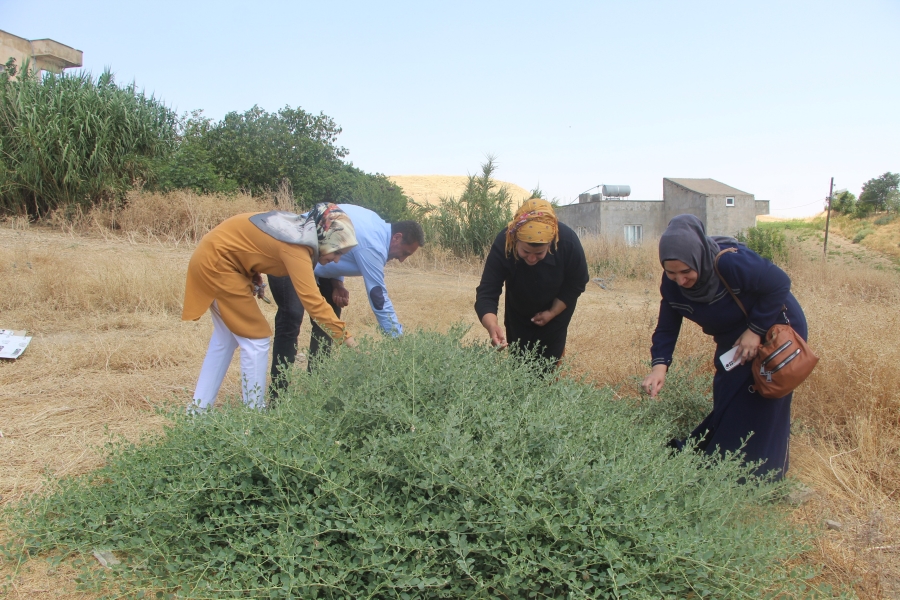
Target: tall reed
69,141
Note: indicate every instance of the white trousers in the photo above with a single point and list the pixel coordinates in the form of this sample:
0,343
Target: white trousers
254,365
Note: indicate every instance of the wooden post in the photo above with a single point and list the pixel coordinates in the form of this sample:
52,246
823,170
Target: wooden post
828,217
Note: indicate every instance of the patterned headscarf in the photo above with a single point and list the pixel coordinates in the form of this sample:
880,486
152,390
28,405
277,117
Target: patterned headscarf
535,223
334,229
325,229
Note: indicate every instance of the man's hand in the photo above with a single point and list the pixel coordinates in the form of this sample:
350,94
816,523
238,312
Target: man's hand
340,295
498,336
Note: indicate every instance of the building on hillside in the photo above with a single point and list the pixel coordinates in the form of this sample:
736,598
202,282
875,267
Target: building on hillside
723,209
41,55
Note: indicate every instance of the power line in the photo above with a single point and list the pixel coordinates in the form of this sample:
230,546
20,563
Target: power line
798,206
585,192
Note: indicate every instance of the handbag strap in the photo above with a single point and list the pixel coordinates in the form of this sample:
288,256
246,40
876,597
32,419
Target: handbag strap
728,287
730,291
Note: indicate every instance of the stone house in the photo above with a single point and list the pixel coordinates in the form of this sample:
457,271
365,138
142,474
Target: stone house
723,209
42,55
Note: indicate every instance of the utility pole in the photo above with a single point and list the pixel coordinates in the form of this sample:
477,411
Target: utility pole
828,217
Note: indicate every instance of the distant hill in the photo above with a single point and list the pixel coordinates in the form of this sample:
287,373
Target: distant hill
429,189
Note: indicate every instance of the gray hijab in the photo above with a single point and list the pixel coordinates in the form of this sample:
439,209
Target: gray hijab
685,239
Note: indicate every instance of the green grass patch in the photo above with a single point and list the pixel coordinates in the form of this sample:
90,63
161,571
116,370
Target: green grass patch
422,468
817,224
862,234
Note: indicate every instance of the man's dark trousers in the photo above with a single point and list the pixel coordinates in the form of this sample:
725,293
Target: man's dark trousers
288,319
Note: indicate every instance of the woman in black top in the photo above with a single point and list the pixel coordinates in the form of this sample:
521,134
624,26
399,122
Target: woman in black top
542,264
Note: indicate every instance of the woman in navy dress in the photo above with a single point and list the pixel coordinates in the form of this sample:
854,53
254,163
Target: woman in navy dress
691,290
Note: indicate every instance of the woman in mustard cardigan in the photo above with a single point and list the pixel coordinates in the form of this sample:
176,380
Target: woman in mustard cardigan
226,265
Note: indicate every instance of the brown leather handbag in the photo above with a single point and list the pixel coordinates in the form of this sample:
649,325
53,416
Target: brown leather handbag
784,359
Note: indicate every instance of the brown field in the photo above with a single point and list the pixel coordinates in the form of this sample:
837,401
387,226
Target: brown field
102,298
429,189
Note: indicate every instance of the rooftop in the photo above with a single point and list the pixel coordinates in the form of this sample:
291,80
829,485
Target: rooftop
706,186
44,54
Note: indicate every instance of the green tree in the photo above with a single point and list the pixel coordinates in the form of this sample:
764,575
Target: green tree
191,165
69,140
893,201
258,150
375,192
877,191
844,202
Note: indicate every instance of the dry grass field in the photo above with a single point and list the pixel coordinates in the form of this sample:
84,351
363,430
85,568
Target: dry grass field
102,297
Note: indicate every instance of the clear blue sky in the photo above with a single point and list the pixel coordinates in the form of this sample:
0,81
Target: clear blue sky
772,97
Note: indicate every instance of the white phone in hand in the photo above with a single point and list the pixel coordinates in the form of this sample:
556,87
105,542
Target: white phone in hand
729,359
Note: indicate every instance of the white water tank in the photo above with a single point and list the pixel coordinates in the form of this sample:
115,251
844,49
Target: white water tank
616,191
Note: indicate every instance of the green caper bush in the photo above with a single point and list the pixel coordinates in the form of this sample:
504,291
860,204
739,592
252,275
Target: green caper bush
421,467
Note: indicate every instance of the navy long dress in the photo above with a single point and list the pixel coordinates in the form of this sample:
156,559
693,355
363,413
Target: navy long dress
738,410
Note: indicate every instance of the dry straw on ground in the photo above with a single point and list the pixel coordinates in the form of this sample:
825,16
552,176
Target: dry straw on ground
102,297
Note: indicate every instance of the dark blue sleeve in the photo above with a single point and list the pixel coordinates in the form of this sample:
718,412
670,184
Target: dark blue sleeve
668,326
749,274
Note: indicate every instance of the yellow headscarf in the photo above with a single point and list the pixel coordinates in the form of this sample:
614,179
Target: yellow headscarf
535,223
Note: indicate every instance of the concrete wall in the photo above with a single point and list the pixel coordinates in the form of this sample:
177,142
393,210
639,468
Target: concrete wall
649,214
680,201
729,220
762,207
583,217
609,217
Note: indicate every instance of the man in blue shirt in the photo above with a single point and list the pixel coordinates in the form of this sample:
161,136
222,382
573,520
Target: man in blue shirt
379,242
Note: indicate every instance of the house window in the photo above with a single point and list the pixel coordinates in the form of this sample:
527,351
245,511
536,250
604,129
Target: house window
634,234
729,201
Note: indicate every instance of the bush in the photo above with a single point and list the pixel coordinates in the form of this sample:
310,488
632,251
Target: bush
68,141
861,234
684,401
191,166
768,242
377,193
259,152
468,225
418,467
885,219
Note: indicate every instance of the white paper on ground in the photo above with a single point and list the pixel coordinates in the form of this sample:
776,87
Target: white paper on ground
13,343
728,359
